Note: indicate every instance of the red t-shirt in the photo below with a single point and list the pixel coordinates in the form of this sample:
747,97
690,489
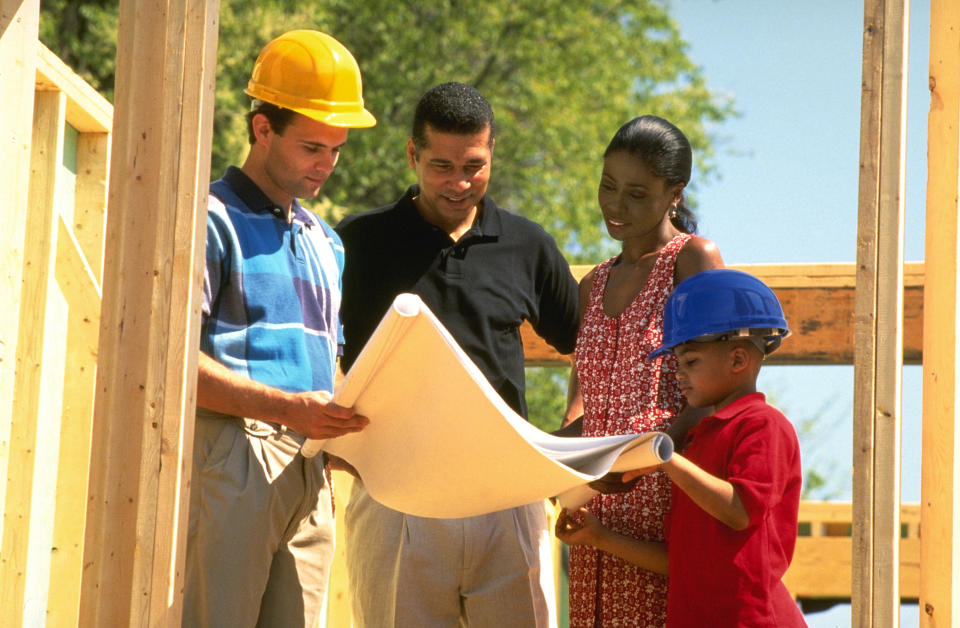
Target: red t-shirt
720,576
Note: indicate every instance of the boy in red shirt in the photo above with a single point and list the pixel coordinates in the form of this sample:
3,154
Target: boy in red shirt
732,528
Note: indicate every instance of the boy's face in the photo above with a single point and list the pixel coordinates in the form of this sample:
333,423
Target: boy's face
704,371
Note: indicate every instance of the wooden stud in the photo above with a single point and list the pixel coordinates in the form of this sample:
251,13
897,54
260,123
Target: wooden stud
143,419
878,329
940,514
34,434
80,288
19,24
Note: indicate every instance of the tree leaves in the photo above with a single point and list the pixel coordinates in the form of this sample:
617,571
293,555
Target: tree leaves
561,76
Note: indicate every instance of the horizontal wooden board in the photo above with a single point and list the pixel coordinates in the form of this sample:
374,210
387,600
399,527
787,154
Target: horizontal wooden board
821,566
818,302
87,110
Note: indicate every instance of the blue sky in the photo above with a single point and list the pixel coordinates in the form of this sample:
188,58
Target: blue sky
786,186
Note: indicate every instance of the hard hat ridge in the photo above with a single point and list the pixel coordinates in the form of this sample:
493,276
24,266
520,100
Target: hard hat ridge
313,74
722,304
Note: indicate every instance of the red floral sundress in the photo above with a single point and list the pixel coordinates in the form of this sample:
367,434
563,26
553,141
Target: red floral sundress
624,393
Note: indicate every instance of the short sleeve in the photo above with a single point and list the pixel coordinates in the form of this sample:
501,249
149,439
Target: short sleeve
216,253
558,293
764,462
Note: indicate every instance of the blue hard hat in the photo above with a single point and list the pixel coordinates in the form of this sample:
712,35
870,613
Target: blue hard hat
722,303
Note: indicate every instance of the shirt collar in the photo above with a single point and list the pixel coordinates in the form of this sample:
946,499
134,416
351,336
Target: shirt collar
738,405
728,412
258,202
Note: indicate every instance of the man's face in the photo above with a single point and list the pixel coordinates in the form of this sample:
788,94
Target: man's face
453,171
299,161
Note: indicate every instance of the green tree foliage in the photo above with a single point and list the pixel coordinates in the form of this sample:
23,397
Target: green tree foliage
562,77
547,395
84,35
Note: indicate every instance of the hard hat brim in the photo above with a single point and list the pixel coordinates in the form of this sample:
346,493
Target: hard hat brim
347,119
659,351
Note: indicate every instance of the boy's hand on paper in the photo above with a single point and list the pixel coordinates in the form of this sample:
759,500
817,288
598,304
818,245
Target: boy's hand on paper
634,474
614,483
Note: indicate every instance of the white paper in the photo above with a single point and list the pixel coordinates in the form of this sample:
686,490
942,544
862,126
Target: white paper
442,443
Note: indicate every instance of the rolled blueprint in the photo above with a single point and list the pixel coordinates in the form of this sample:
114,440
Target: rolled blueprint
442,443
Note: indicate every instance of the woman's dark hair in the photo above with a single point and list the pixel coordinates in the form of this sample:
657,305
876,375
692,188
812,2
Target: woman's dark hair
279,117
666,151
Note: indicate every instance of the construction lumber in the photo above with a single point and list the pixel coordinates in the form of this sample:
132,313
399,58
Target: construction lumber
940,545
81,290
878,317
149,331
818,303
87,110
37,400
19,24
822,562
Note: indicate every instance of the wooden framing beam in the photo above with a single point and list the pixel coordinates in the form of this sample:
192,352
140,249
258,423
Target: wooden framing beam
878,327
87,110
818,303
822,561
149,332
28,508
940,467
19,24
81,290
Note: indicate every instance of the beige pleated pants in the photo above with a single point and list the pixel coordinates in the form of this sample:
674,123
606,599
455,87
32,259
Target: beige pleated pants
416,572
260,537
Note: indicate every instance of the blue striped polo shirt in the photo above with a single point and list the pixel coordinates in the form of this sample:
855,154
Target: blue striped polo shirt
271,289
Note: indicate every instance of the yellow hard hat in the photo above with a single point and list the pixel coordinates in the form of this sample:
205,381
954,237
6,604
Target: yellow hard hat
313,74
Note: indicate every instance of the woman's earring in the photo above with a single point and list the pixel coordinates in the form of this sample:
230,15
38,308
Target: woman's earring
673,212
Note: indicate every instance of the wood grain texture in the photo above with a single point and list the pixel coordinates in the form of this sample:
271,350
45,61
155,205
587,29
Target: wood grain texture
818,302
940,546
149,332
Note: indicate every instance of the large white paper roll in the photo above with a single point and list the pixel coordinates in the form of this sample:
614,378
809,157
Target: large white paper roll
442,443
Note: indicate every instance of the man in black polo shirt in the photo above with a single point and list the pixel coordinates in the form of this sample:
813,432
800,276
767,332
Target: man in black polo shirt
482,271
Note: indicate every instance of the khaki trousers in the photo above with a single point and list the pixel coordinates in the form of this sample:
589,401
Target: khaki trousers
416,572
260,536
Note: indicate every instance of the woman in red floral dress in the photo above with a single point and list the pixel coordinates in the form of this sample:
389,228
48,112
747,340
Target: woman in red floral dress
615,389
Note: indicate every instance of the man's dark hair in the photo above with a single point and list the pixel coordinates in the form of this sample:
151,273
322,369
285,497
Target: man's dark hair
451,108
279,118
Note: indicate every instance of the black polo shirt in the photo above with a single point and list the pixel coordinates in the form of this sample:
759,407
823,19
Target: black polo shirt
504,270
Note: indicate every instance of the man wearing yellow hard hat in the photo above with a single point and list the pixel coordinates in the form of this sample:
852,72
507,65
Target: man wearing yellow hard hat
260,536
